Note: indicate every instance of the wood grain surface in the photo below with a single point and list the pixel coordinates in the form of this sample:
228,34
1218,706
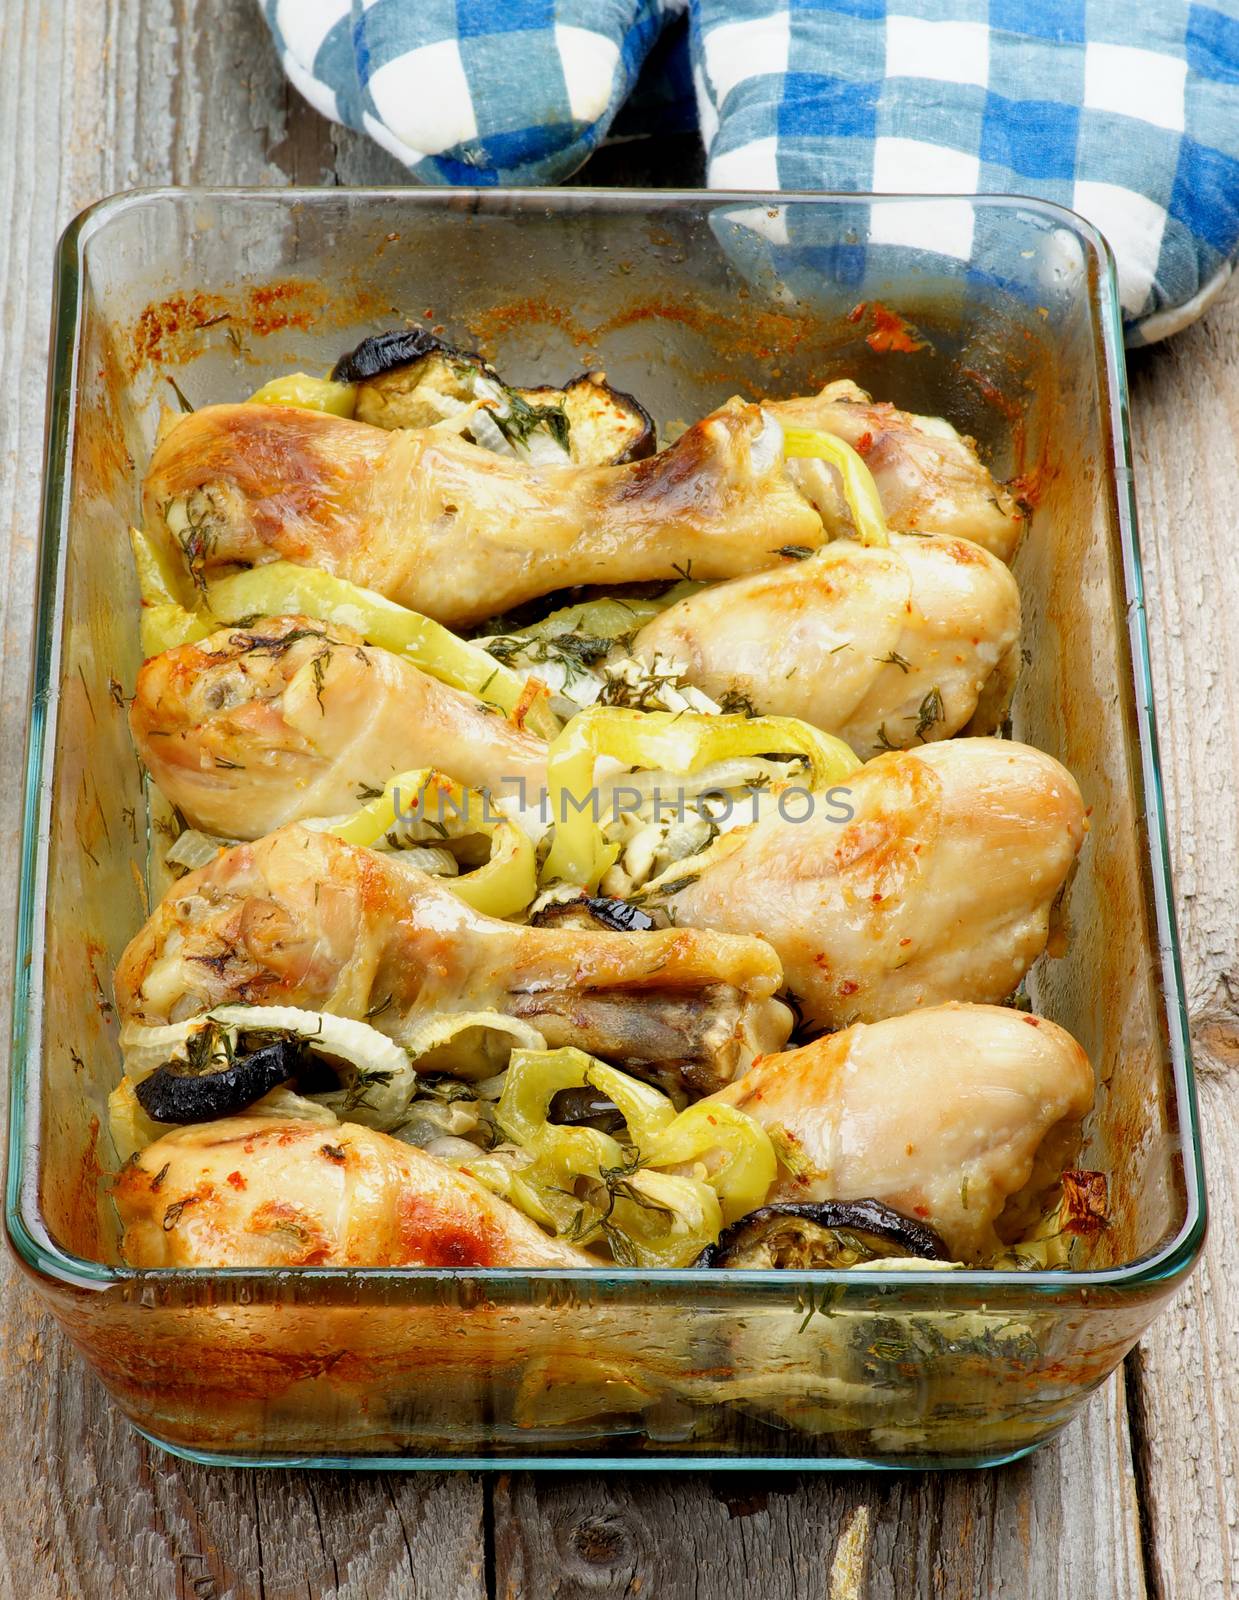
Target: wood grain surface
1139,1498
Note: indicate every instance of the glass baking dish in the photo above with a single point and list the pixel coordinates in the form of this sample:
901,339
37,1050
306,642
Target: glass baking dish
685,298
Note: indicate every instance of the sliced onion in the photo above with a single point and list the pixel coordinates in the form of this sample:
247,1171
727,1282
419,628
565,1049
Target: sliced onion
382,1076
194,849
440,1044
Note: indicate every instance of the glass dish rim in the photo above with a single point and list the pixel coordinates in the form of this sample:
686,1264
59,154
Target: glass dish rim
44,1257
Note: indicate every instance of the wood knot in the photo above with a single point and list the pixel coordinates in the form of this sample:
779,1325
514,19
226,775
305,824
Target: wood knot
601,1541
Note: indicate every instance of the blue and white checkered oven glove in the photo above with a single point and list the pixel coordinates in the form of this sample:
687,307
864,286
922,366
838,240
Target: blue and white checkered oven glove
470,91
1126,111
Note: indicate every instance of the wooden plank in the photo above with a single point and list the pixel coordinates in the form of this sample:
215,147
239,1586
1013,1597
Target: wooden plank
95,97
1058,1526
1185,407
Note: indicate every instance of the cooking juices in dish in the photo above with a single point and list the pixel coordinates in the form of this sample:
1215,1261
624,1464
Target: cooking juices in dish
592,853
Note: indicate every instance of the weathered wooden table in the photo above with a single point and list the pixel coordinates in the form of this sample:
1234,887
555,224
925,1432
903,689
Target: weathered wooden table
1139,1498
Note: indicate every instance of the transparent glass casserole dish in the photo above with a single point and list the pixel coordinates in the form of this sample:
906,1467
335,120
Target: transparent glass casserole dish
685,299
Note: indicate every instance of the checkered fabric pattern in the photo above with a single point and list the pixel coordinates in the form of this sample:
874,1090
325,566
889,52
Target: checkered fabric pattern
470,91
1126,111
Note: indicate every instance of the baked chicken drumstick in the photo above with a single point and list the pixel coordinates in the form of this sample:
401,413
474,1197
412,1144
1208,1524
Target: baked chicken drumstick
860,640
939,888
454,531
959,1115
303,919
254,727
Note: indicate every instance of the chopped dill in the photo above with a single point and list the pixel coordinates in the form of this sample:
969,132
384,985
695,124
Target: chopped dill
930,711
677,884
179,393
736,702
355,1095
574,652
319,666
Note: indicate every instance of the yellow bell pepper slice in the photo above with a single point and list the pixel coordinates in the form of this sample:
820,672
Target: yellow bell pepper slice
281,587
500,887
167,617
609,617
859,489
536,1076
674,741
740,1169
313,394
582,1182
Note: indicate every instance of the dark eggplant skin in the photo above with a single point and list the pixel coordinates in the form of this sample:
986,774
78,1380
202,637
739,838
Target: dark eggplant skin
585,1108
383,352
591,911
618,915
906,1235
174,1094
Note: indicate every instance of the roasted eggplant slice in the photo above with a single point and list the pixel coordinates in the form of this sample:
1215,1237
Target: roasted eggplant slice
429,384
593,912
387,352
201,1090
606,426
830,1234
409,378
585,1108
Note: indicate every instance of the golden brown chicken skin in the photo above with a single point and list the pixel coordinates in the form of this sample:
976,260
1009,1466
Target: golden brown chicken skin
929,477
858,640
455,531
301,918
258,1192
945,1114
939,886
255,727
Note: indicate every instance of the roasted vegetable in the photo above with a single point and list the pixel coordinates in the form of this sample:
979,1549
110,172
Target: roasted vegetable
859,490
388,352
1079,1217
221,1062
655,1198
172,616
502,885
585,1108
830,1234
409,378
593,911
675,742
315,394
197,1090
605,425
